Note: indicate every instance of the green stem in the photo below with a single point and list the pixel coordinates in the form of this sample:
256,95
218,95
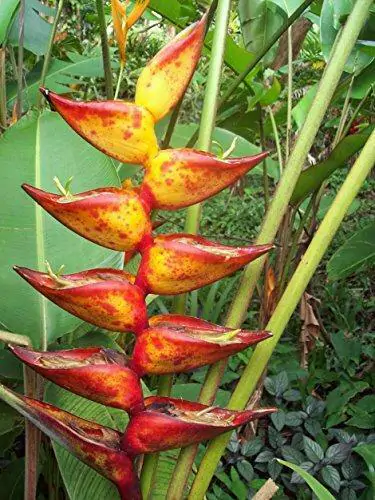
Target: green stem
15,338
3,95
105,50
119,80
290,91
171,125
21,35
288,303
266,186
277,140
47,57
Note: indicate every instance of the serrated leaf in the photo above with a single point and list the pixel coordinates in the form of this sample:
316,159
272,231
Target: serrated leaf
292,455
252,447
278,419
313,427
270,385
293,418
281,382
313,450
246,470
337,453
264,456
351,468
274,468
320,491
331,477
34,150
292,395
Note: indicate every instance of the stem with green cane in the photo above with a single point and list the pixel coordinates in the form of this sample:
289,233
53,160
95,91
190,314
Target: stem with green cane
279,205
21,35
290,95
3,95
277,139
47,57
266,186
105,50
287,305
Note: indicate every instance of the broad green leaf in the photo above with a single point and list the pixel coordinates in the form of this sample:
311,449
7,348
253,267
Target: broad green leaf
302,108
34,150
367,452
363,82
82,482
166,464
320,491
288,6
259,20
333,16
7,10
311,179
271,94
358,251
190,392
37,30
12,480
60,76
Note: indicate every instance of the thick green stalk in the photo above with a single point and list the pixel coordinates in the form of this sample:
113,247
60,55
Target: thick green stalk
47,57
21,36
287,305
3,97
277,139
290,94
105,50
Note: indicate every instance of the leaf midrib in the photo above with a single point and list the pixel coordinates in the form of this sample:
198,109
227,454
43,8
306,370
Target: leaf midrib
40,247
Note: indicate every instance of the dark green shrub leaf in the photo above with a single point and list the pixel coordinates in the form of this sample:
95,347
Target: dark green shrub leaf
264,456
314,407
296,477
292,395
313,450
278,419
281,383
270,385
357,485
12,480
292,455
274,469
348,494
293,418
313,427
252,447
331,477
275,438
246,470
351,468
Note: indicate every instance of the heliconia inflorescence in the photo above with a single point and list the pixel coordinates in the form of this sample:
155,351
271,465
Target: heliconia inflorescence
120,219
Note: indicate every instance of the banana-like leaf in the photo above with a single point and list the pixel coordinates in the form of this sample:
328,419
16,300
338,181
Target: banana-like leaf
34,150
320,491
8,8
61,75
259,20
37,30
311,179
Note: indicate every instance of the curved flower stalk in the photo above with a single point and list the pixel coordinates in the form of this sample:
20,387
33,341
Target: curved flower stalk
178,178
119,129
178,263
175,343
116,218
168,423
98,374
123,21
97,446
104,297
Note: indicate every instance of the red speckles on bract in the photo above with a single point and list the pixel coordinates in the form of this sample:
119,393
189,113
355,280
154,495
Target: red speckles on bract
175,343
178,263
168,423
115,218
99,374
165,78
104,297
179,178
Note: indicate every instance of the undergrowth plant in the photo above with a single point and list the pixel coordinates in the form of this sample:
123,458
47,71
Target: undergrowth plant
123,220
